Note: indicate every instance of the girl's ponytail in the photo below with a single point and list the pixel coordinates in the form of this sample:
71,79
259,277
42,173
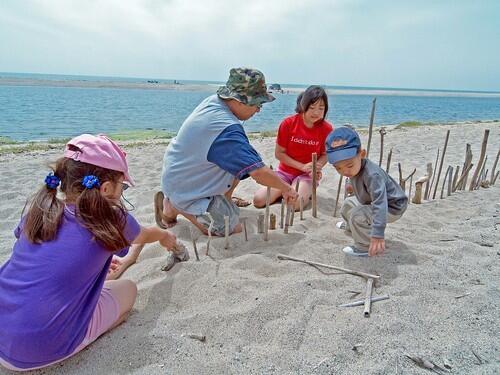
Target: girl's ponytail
45,211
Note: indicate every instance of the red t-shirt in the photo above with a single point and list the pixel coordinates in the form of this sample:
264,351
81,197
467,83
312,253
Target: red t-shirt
300,141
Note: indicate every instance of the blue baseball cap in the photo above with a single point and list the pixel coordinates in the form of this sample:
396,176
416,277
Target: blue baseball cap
341,144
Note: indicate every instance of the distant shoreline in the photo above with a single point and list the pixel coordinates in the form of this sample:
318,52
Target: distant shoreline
212,87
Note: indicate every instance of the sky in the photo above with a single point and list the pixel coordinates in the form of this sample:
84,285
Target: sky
447,44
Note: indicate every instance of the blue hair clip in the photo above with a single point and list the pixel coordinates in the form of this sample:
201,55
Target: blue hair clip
52,181
90,181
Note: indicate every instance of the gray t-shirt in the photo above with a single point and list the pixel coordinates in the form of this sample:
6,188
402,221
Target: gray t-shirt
373,186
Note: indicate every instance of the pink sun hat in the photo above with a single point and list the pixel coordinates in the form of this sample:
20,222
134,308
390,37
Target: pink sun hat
100,151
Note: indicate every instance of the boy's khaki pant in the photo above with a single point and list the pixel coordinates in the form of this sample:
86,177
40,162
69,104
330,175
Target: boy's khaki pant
358,221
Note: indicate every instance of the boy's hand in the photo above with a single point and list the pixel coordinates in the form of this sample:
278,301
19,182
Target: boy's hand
377,246
168,241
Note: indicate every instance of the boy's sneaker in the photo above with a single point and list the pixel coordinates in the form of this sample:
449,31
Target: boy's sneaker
354,251
341,225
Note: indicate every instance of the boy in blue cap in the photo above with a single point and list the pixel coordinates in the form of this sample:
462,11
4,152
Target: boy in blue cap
377,200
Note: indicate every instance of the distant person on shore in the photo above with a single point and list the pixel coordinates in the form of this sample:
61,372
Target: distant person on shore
377,200
54,300
299,136
210,155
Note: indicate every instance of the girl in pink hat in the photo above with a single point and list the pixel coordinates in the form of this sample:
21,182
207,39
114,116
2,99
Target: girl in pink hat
54,297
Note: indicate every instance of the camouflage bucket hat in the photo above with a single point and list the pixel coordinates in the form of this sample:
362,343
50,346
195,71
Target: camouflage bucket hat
247,86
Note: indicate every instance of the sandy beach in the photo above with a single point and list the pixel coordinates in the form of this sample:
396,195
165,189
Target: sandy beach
261,315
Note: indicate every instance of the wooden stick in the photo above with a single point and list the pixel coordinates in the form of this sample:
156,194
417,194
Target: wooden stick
292,216
464,175
493,170
433,176
287,218
417,199
467,162
481,159
301,208
480,177
409,190
260,223
450,181
272,222
314,183
444,180
455,179
370,128
362,301
427,184
496,176
244,220
382,133
441,163
401,182
282,212
368,298
389,157
266,218
352,272
226,231
338,195
193,239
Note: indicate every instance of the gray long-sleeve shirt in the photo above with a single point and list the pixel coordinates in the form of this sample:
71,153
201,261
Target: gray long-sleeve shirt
373,186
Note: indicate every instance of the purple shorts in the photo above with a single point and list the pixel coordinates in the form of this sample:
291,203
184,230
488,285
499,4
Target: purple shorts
291,179
105,315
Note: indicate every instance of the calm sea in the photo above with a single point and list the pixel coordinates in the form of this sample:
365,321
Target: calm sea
37,107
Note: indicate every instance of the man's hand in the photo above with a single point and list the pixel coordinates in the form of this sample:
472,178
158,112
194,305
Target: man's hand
377,246
290,195
168,241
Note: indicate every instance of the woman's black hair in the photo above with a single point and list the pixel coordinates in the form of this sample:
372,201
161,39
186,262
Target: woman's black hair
311,96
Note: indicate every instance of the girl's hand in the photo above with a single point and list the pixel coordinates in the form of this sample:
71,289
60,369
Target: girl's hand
168,242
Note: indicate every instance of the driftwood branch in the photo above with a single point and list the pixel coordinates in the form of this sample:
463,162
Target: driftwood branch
433,176
345,270
417,199
441,164
493,170
382,134
362,301
428,184
338,195
481,159
368,298
314,184
389,157
370,128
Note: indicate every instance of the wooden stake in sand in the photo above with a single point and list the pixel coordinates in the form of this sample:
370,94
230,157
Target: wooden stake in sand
226,232
266,218
244,221
450,181
338,195
292,216
193,239
301,208
368,298
465,173
389,157
382,133
314,184
272,221
260,223
455,179
370,129
417,199
427,183
481,159
287,218
282,213
433,177
465,168
493,170
441,164
448,171
345,270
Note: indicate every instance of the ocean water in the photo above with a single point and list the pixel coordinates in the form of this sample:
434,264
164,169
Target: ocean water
34,110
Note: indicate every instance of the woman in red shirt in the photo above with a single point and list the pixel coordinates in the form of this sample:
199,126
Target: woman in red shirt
299,136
